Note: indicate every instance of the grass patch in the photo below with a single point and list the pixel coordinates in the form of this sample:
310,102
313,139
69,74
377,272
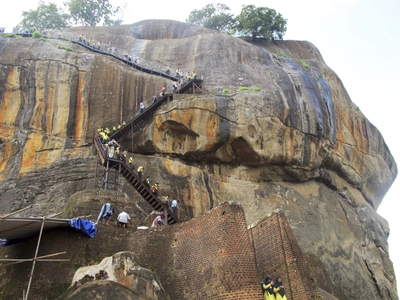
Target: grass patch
65,48
8,35
244,88
36,35
225,91
304,64
256,90
42,39
282,54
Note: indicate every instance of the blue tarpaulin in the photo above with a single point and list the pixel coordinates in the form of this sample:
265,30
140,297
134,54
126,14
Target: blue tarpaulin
85,226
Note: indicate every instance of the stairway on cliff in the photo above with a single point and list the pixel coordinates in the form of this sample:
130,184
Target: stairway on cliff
120,166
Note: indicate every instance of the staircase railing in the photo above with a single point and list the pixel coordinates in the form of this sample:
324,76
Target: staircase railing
131,125
137,184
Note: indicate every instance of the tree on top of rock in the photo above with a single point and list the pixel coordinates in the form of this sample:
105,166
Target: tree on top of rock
212,16
92,12
45,17
262,22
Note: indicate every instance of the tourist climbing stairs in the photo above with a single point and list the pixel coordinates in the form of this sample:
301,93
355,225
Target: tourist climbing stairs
149,112
134,180
194,85
140,118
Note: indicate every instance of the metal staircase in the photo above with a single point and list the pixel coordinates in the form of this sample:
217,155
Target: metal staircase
133,179
120,167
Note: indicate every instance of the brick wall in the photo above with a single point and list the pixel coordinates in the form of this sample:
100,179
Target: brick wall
277,253
210,257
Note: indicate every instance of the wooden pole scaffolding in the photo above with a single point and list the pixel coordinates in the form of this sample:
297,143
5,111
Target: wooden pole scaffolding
36,256
40,258
15,212
34,259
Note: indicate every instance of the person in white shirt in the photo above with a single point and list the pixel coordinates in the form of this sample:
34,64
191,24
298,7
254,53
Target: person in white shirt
174,206
123,219
142,107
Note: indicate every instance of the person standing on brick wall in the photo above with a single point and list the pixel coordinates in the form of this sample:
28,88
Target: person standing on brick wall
279,290
268,288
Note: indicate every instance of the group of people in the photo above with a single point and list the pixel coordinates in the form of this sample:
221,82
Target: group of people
114,150
96,45
273,289
105,215
107,210
128,57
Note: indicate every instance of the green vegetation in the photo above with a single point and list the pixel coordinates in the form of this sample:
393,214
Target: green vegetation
8,35
92,12
257,22
225,91
47,16
42,39
65,48
82,12
261,22
282,54
36,35
212,16
304,64
245,88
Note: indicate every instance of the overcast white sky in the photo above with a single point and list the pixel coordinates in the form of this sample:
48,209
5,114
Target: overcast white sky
358,39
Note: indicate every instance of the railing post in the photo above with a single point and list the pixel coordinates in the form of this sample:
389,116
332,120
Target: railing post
107,174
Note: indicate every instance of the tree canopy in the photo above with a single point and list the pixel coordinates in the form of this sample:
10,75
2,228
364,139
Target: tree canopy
258,22
261,22
92,12
45,16
212,16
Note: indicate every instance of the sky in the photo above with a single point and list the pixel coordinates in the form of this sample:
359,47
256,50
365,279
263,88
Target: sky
358,39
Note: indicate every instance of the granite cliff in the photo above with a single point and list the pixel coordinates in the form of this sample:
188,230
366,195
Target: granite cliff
298,145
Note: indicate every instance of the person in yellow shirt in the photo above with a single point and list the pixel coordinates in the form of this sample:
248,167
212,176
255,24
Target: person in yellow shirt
268,288
131,165
279,290
117,153
147,182
140,172
124,156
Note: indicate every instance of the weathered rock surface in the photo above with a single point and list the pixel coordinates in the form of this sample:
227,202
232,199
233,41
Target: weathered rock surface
299,144
122,268
103,290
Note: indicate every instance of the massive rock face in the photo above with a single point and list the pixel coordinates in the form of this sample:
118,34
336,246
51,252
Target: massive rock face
299,144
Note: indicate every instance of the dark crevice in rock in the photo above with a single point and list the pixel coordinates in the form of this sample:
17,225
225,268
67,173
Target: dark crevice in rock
210,193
